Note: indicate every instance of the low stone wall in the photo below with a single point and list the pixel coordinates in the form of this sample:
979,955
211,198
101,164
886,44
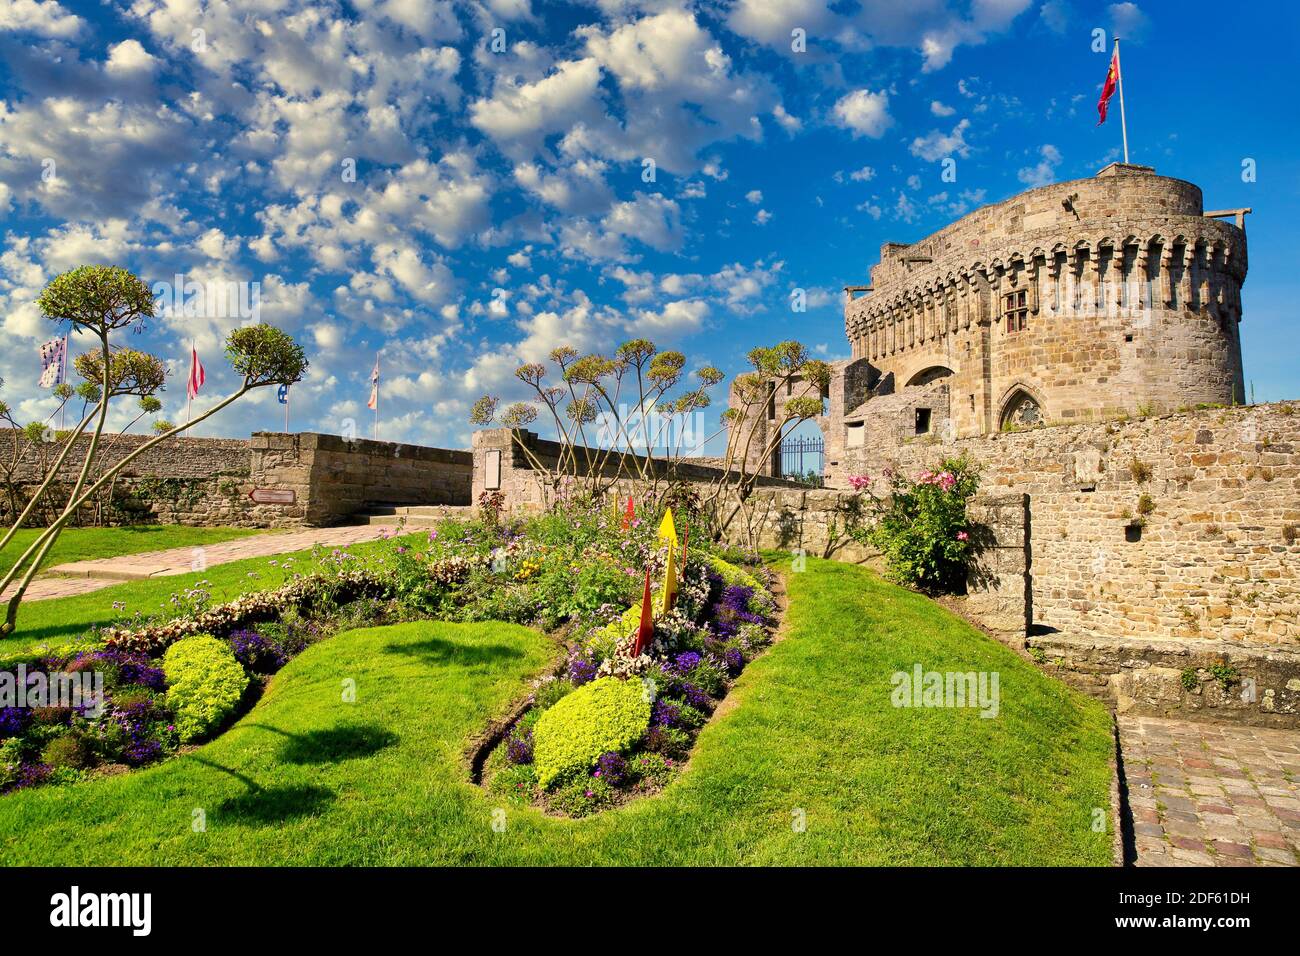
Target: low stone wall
1181,527
506,460
332,478
208,481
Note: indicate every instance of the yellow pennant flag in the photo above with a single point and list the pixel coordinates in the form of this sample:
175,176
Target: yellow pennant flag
670,579
668,530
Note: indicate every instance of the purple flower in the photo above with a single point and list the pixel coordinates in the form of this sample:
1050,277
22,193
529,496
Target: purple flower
519,749
581,671
13,720
685,662
665,714
256,652
612,768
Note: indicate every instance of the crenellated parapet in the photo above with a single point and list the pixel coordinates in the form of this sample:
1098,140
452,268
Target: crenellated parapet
1081,299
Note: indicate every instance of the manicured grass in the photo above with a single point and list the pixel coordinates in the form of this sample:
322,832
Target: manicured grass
82,544
306,778
58,621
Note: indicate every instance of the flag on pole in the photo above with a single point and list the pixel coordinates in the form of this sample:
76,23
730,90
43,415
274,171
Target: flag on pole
1109,87
646,630
52,356
282,394
374,387
197,377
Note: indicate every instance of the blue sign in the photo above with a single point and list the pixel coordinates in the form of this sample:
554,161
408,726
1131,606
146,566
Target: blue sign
282,394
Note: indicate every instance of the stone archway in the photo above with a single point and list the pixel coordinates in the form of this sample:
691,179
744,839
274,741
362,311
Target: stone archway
928,375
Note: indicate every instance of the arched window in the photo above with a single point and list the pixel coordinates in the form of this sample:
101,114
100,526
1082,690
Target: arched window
1021,410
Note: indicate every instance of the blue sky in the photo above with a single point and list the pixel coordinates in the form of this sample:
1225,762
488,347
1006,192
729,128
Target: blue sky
500,204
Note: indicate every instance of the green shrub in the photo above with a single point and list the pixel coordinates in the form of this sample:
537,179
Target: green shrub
607,714
67,751
732,575
582,797
204,684
653,768
548,694
515,782
921,527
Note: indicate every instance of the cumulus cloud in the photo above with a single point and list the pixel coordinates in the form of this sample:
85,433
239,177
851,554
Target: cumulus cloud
1044,171
936,145
864,113
43,17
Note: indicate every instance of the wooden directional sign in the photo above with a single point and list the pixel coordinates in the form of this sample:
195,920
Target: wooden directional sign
273,496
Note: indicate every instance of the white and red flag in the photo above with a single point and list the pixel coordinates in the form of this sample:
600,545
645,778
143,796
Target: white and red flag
1109,87
52,356
374,386
196,375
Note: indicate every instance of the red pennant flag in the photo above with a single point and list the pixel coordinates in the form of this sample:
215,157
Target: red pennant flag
628,515
197,377
1108,88
646,631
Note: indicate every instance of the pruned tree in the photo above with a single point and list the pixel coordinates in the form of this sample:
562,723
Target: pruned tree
630,399
103,300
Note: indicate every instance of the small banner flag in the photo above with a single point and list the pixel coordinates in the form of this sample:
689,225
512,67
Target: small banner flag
670,579
1108,88
197,377
645,631
282,394
668,530
629,514
52,353
374,387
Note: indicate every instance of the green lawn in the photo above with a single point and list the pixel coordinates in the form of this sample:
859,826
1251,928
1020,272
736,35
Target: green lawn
82,544
56,622
305,778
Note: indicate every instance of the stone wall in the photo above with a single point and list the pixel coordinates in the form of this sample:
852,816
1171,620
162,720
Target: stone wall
192,481
208,481
507,460
333,478
1158,549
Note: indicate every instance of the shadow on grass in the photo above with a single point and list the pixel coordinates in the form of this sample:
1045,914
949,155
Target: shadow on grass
436,650
265,805
333,744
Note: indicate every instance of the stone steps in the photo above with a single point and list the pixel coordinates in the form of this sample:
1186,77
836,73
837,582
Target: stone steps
414,516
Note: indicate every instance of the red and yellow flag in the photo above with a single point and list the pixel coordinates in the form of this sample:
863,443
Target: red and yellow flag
1108,88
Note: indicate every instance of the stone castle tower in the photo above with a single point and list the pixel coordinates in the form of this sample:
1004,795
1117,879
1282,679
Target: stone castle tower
1097,297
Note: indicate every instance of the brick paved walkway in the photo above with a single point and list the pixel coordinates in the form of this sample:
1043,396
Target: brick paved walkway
86,576
1205,794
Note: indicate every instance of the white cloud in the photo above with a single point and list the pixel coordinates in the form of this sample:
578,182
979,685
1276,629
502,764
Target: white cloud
864,112
754,196
762,217
939,109
937,145
44,17
1044,172
129,59
865,174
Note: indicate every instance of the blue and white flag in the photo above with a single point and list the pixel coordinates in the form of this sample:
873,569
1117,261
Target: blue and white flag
52,355
282,394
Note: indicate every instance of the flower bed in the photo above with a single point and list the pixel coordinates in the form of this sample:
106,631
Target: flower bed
574,569
573,756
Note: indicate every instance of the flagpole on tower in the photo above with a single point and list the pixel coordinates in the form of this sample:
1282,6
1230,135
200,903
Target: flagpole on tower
1123,123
